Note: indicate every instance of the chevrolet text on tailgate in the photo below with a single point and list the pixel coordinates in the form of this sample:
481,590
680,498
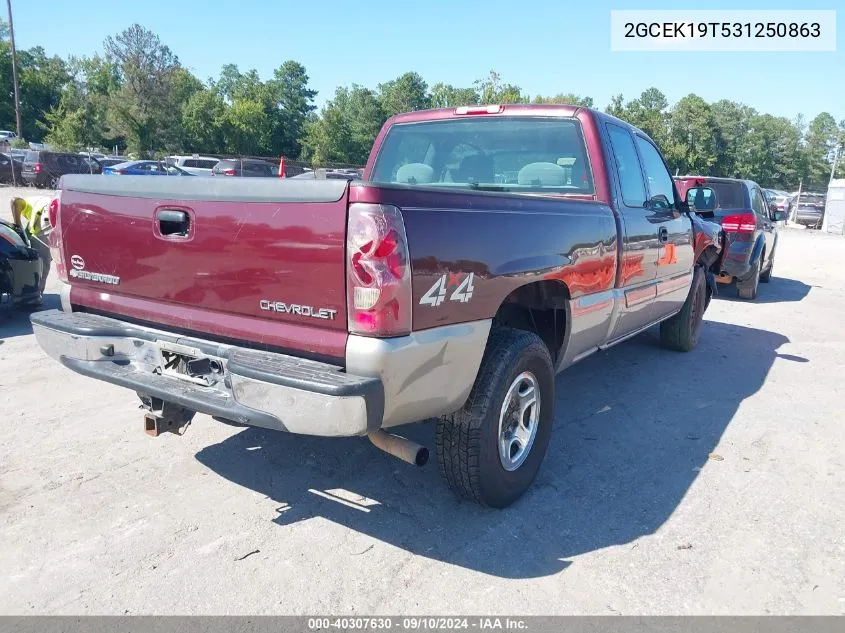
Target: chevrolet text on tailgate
486,249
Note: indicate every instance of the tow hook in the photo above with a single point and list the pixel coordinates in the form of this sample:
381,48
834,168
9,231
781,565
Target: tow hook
163,417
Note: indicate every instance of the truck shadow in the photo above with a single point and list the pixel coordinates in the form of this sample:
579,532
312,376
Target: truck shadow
15,322
633,427
778,290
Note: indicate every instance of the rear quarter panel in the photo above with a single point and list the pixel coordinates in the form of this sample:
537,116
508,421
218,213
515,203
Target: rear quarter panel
504,241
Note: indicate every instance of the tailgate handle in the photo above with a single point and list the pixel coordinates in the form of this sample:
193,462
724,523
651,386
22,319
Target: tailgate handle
173,223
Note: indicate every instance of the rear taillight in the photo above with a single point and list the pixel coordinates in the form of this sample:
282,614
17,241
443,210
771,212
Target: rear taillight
37,168
53,212
378,271
742,223
55,215
228,172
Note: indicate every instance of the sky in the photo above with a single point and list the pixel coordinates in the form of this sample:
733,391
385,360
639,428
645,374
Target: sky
544,46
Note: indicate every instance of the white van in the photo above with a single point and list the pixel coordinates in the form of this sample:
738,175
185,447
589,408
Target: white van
194,164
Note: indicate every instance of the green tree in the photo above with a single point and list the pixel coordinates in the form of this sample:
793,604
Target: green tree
649,113
840,164
40,81
203,120
566,98
346,129
247,128
732,121
616,107
406,93
770,149
493,90
79,119
820,144
691,143
447,96
143,109
294,102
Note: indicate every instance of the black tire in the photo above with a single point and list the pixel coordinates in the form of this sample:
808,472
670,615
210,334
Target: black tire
681,332
747,289
467,441
766,276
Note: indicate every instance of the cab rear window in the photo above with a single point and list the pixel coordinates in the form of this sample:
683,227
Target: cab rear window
515,154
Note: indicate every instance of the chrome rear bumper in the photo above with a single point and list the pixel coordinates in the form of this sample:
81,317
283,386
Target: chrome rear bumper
385,382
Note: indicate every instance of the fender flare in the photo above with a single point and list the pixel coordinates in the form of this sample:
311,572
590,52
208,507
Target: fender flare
759,245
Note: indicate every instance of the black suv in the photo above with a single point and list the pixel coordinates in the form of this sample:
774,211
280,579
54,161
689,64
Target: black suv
747,220
44,168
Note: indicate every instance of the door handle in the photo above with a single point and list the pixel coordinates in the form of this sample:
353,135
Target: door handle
173,222
663,235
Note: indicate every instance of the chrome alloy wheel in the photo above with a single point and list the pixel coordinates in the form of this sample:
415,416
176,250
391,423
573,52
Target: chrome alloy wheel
518,420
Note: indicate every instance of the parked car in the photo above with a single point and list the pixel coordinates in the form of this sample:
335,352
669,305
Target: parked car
97,155
43,168
781,199
7,135
10,169
20,268
810,211
328,174
194,164
111,161
144,168
748,221
247,167
453,283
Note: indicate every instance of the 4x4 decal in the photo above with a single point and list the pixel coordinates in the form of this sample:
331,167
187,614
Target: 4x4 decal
437,293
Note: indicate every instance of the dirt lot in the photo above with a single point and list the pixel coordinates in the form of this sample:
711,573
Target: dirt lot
709,482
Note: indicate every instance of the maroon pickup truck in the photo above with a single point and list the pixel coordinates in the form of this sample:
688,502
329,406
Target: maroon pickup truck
486,249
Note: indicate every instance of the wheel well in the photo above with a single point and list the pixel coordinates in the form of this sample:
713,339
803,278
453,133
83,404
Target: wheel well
540,307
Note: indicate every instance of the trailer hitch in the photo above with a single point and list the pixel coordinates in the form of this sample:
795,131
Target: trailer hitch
164,417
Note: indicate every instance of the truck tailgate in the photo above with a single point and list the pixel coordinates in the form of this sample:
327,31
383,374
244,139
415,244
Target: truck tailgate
248,258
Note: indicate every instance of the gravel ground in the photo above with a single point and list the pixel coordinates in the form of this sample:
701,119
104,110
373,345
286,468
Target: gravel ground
709,482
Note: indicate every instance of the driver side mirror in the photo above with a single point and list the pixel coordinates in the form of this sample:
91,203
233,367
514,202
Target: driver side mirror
778,216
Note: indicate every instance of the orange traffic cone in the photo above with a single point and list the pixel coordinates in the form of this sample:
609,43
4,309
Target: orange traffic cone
282,167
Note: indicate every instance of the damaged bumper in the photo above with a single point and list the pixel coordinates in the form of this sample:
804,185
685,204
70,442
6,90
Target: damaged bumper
384,383
251,387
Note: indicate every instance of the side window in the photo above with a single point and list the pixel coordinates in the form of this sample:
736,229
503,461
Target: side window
659,180
757,202
630,175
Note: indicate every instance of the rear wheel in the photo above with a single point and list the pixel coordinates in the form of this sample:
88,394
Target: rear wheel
747,288
682,331
766,277
490,450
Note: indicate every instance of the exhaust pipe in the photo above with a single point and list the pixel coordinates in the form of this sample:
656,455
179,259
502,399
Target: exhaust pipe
404,449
